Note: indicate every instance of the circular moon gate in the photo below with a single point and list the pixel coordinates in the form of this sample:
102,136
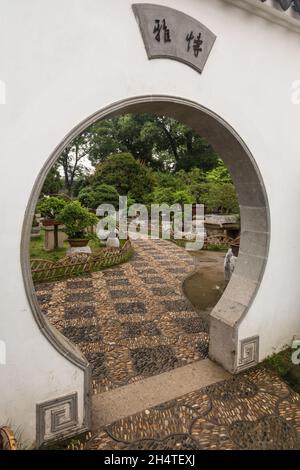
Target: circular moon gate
225,347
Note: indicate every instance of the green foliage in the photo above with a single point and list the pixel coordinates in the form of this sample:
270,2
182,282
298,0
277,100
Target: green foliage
158,141
50,207
106,194
76,220
92,197
220,174
81,182
183,197
280,362
53,183
166,180
72,161
37,249
162,196
126,175
87,197
220,198
149,158
214,189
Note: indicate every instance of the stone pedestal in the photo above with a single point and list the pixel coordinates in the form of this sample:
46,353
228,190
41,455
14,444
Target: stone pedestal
49,237
35,232
73,250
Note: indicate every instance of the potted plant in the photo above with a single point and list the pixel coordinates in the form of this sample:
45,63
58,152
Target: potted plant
49,208
76,220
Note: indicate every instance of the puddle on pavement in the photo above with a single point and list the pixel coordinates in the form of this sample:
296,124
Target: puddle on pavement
206,286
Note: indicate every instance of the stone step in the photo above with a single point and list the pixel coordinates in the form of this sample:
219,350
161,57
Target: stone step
125,401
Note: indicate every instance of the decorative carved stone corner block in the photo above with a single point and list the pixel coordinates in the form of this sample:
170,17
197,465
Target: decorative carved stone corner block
249,352
171,34
56,418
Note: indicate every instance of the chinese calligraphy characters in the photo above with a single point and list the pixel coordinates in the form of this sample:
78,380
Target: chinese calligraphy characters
197,43
158,28
162,33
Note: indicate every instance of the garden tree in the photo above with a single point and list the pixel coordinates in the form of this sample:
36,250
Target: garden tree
189,150
220,197
92,197
165,179
183,197
162,196
170,197
82,181
53,182
157,141
126,174
126,133
72,160
219,173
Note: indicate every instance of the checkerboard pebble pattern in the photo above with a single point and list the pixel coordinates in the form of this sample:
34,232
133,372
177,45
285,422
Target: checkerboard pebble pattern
253,411
131,321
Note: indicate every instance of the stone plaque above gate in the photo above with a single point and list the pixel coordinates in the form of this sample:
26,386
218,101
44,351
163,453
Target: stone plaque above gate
171,34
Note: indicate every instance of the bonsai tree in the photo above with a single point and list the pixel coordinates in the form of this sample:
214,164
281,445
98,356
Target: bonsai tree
76,220
50,208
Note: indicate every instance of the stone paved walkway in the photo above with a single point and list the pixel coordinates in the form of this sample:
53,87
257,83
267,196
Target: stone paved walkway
255,410
131,321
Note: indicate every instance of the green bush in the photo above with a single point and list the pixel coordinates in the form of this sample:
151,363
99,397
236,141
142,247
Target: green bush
50,207
106,194
221,198
183,197
76,220
162,196
87,197
125,174
92,197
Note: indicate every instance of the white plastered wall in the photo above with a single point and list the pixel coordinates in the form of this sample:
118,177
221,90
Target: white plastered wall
63,60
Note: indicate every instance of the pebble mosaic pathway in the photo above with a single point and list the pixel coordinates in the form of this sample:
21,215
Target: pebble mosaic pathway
252,411
131,321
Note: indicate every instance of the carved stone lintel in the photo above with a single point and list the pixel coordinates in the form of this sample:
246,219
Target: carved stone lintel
171,34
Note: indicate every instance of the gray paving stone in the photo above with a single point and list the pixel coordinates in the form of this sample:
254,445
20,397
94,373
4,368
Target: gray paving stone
150,361
87,311
119,294
84,334
130,308
80,284
117,282
134,329
80,297
177,305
